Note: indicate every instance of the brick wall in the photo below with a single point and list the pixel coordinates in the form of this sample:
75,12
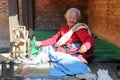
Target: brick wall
49,14
4,29
104,19
103,16
3,20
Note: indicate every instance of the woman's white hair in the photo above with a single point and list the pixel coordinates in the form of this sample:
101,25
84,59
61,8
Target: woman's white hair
73,10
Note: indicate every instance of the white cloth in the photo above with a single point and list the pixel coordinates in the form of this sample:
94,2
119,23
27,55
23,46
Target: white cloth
103,75
67,35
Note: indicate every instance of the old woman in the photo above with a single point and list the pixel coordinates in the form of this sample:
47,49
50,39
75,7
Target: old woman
69,50
79,42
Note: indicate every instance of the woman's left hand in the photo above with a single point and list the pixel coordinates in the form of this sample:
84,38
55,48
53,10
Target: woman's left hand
83,49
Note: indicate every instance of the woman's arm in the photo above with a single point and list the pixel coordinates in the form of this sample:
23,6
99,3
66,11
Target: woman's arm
55,38
86,39
52,40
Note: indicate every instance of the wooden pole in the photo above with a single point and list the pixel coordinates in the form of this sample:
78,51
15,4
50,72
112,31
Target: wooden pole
13,17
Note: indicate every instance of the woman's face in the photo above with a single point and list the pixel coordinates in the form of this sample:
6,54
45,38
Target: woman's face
72,19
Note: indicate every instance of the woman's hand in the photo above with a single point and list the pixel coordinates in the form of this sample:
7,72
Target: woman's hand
83,49
38,43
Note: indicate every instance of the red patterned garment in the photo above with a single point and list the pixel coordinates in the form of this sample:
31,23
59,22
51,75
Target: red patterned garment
81,36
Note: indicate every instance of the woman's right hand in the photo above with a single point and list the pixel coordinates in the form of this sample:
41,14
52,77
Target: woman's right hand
38,43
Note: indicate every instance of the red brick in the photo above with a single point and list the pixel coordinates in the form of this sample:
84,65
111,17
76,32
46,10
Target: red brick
103,19
54,11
